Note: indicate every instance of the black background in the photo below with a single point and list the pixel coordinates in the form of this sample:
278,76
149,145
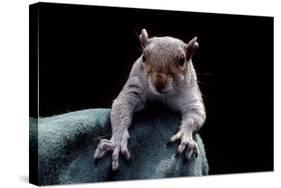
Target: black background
86,52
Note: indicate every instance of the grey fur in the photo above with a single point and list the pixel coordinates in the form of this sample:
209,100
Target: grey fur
180,93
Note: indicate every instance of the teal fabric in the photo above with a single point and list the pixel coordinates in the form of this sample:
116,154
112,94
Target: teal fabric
67,142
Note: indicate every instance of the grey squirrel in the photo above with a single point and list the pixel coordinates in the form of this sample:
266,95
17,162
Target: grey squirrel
165,73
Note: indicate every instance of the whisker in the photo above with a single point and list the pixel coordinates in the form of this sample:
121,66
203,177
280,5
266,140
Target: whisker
136,33
205,73
202,83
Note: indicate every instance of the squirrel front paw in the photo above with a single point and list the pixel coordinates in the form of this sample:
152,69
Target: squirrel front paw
115,144
187,144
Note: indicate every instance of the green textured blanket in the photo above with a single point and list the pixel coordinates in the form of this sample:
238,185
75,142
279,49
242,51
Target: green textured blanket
67,142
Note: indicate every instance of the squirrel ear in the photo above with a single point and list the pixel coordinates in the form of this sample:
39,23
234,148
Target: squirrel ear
143,38
191,48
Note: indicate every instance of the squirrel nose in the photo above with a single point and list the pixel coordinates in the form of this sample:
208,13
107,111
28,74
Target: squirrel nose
160,86
159,81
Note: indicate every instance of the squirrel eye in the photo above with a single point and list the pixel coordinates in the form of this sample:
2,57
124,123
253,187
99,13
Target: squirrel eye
181,60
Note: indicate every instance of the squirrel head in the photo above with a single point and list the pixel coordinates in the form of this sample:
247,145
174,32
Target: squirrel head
165,61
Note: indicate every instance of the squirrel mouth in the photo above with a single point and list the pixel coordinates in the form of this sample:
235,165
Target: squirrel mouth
163,92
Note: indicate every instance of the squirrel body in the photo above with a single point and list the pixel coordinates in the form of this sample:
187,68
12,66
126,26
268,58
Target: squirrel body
165,73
